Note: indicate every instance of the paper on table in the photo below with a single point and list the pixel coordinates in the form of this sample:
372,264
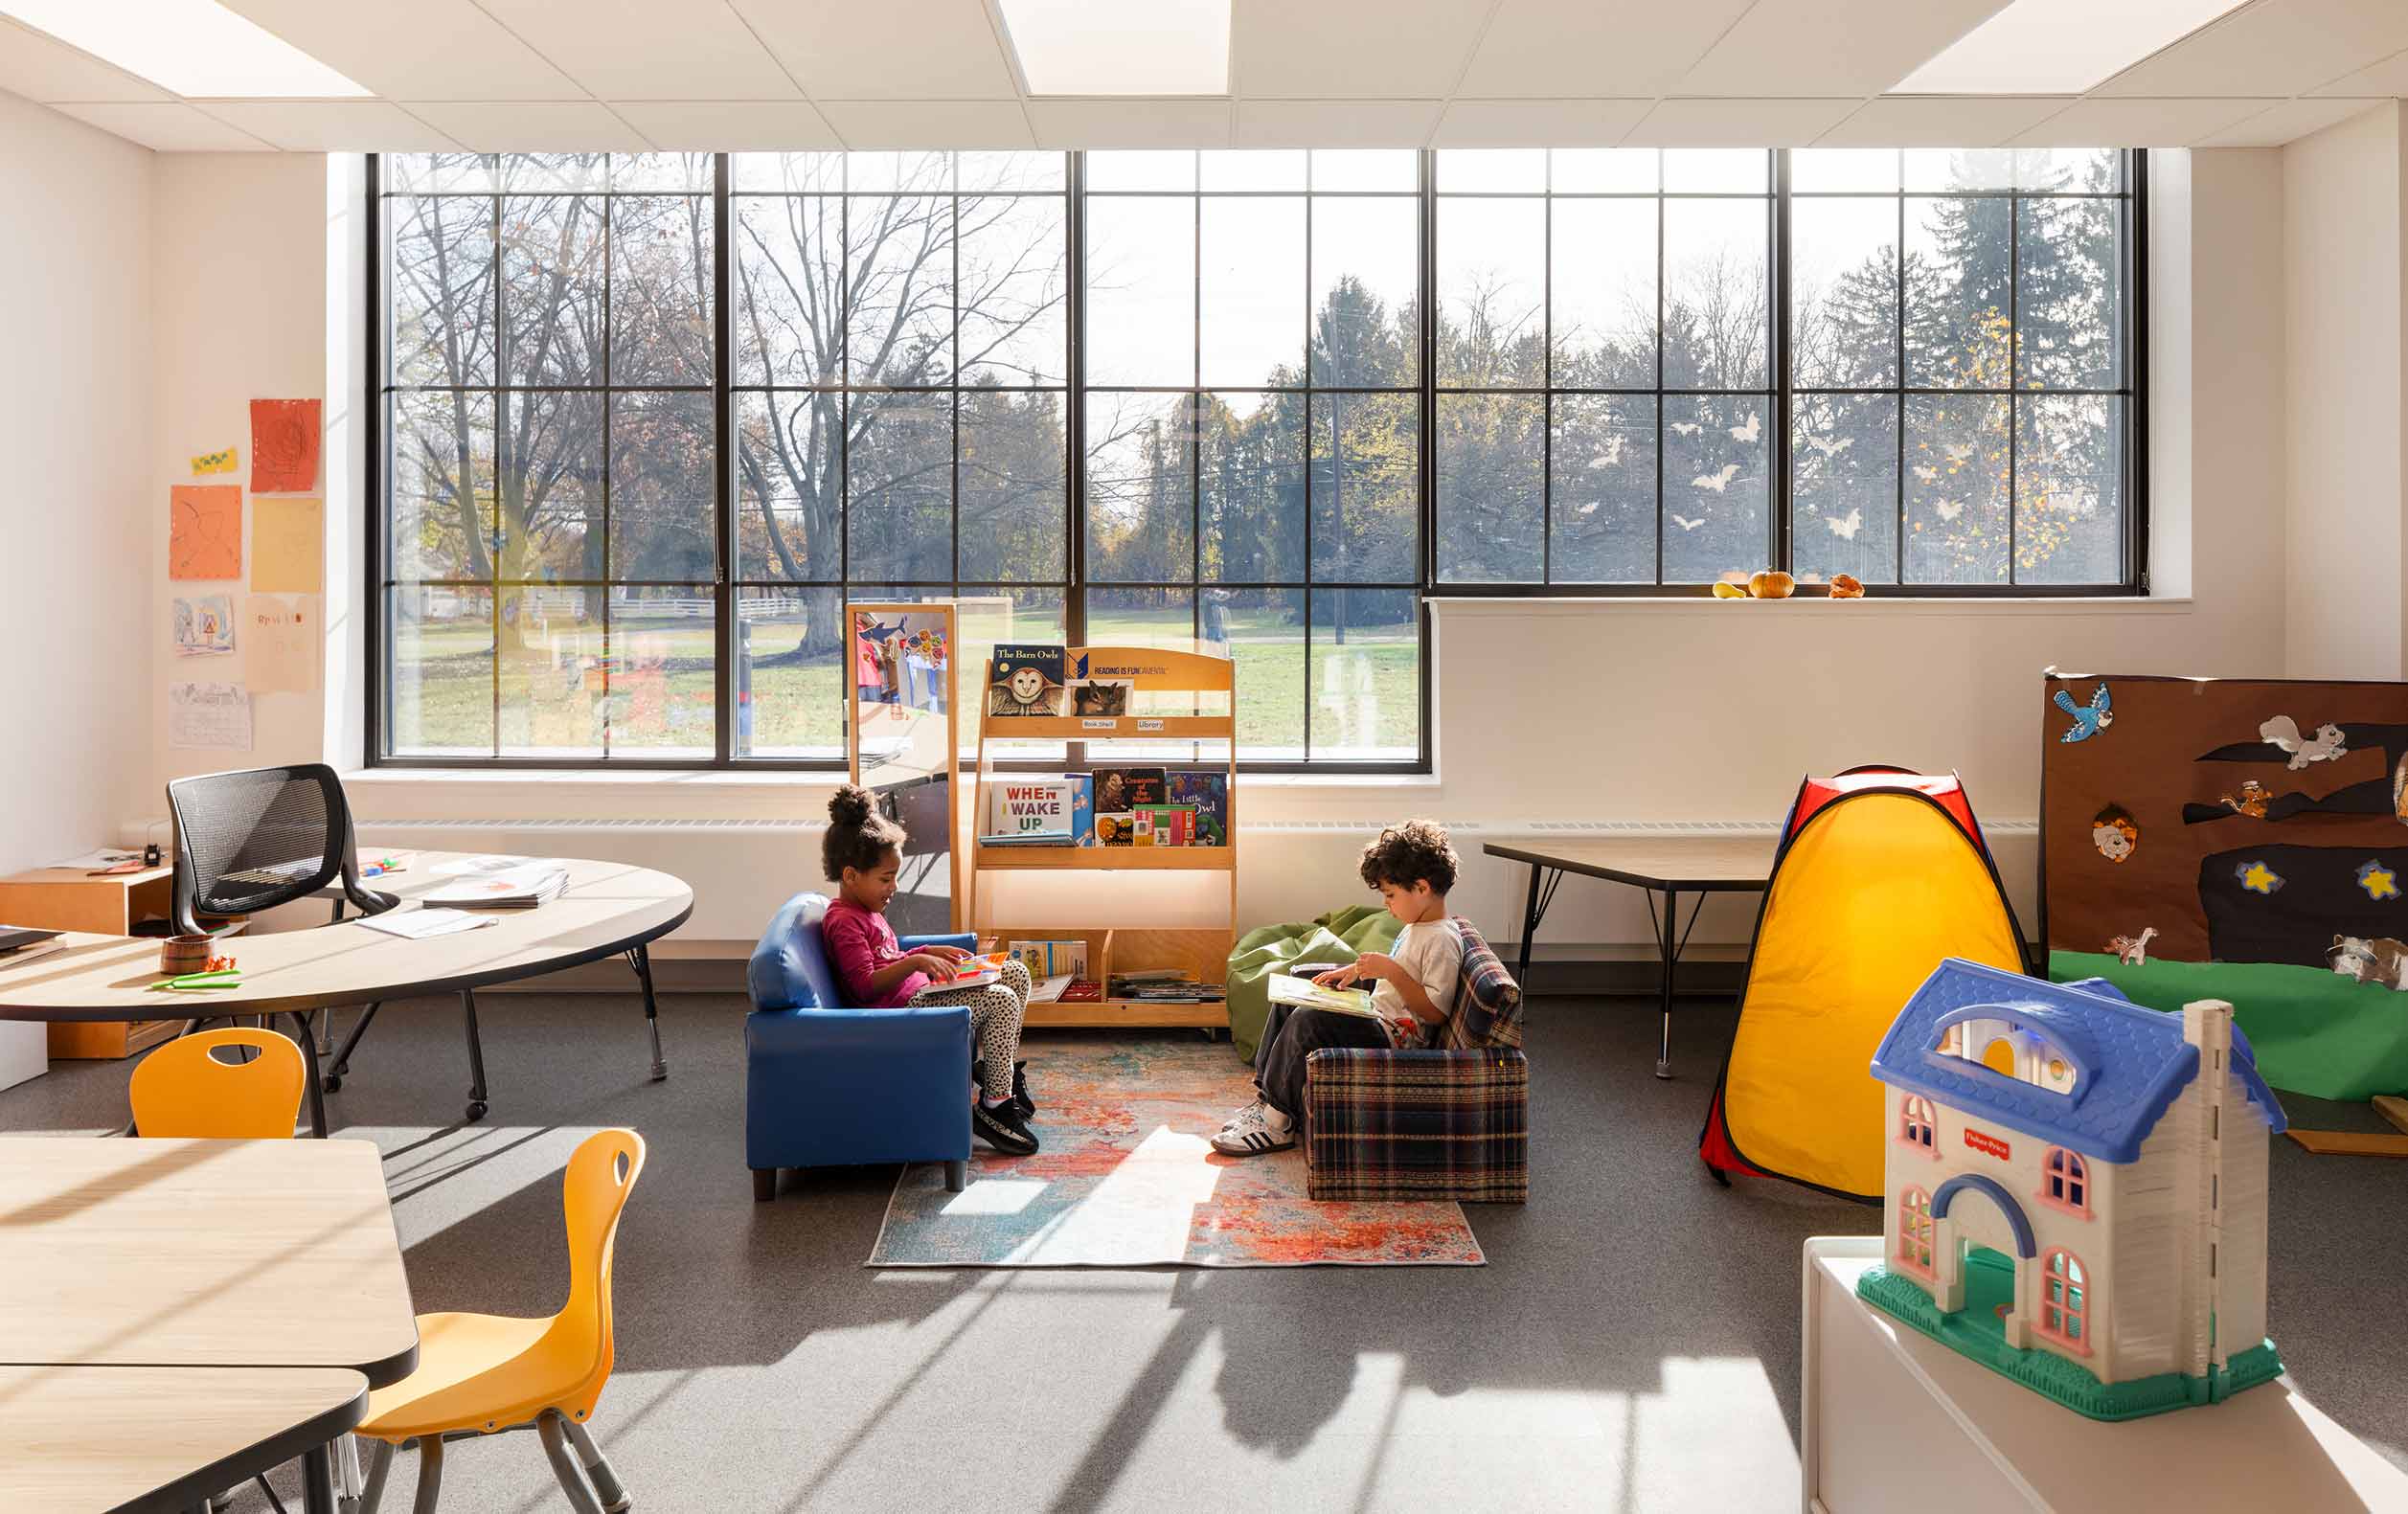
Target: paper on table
419,924
205,531
204,626
288,546
462,867
89,861
212,716
280,641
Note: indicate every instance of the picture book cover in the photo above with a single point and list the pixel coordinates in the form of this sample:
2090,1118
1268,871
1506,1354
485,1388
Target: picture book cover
1097,696
1164,825
1206,794
1082,809
1027,681
1123,788
1115,829
1030,809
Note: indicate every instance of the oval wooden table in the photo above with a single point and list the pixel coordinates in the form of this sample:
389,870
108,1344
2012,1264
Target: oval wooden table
609,909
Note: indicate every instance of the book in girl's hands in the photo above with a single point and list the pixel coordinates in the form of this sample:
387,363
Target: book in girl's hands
1304,991
971,972
1206,794
1025,680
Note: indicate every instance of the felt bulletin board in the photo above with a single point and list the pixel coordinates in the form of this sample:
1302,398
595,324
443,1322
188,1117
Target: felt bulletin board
2238,839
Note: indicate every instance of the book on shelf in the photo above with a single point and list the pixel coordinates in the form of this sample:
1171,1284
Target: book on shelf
1122,789
1286,989
1026,679
1050,958
1082,809
1024,810
1164,826
1206,794
1049,990
1082,991
1116,830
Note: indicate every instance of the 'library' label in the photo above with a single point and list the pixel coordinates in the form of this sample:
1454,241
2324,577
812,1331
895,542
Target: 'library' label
1149,724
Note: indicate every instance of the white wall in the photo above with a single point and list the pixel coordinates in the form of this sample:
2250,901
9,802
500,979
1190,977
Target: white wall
2341,224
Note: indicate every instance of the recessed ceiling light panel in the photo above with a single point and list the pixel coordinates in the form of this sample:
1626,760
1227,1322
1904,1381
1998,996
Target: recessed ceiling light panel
195,48
2059,47
1121,47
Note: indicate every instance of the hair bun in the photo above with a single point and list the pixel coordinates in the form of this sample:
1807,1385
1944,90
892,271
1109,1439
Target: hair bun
851,804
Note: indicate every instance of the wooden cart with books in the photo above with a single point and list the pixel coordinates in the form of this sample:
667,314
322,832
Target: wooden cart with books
1170,696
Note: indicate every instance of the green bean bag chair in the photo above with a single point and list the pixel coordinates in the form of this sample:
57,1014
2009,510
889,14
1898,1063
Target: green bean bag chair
1338,936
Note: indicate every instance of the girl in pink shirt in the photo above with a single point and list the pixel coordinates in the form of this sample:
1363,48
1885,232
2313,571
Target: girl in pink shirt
861,855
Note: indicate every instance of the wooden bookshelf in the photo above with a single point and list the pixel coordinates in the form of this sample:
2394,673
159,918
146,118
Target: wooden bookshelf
1162,680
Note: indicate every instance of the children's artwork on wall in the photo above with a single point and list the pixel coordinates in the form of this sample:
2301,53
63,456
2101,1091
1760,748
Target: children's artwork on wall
205,531
204,626
224,460
283,446
280,643
2254,826
288,546
213,718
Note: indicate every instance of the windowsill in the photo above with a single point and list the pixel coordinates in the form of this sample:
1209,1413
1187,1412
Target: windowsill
1872,603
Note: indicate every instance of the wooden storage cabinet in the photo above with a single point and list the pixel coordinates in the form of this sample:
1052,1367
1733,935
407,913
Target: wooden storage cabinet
68,899
1203,951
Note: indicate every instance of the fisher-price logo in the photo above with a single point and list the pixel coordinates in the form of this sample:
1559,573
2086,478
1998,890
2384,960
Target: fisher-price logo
1983,1141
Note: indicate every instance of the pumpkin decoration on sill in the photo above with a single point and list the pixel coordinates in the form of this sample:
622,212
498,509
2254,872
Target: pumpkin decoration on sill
1847,586
1770,583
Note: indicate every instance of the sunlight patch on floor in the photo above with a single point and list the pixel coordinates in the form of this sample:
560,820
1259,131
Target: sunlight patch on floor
993,1196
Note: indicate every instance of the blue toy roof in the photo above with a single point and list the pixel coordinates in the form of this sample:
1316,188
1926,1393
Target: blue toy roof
2128,1062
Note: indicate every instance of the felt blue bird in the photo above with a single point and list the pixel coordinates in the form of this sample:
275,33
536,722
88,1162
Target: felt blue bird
2087,722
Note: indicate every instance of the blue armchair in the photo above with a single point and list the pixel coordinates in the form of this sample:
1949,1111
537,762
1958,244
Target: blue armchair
825,1086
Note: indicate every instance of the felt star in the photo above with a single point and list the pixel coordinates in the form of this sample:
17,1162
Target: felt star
2257,878
2378,881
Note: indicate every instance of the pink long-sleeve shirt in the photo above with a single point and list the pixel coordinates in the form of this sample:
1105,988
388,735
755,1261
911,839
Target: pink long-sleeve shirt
859,945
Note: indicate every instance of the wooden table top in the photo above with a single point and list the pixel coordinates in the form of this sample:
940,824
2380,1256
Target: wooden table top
1705,864
608,908
172,1253
140,1438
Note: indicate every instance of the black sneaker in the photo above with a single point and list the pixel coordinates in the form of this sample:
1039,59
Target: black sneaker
1002,1128
1019,1086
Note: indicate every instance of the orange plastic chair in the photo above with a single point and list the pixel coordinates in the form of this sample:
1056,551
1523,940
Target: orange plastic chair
481,1373
182,1089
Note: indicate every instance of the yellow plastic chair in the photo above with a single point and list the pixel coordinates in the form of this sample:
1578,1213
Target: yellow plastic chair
481,1373
182,1089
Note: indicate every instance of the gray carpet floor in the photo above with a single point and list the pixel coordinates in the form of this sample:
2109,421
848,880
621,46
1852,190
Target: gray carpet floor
1631,1346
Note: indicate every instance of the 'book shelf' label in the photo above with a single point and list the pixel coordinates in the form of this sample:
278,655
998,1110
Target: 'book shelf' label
1102,723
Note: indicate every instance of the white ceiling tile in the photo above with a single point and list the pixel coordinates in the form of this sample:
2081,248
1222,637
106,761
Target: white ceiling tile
2288,122
42,68
900,124
1832,47
1566,48
1387,49
1941,121
521,125
1538,122
171,127
2277,47
331,125
423,50
2101,123
1075,123
922,49
1335,122
729,126
2386,80
649,49
1737,123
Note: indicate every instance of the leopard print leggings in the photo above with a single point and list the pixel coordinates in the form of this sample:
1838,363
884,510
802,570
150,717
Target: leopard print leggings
996,1014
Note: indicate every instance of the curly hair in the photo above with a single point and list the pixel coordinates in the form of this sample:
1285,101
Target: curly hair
1414,853
859,837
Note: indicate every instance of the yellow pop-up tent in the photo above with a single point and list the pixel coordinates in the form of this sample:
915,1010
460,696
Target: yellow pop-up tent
1881,873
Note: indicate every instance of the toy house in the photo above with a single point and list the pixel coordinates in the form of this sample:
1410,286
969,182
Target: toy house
2077,1189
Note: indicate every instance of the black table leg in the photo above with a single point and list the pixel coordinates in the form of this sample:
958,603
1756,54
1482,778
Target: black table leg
476,1056
640,957
1532,913
1672,959
310,1070
317,1481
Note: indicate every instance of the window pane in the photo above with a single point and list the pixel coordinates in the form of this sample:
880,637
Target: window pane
991,172
1956,489
1366,263
1015,495
438,172
550,673
661,271
549,483
440,283
442,670
1717,326
1366,168
1602,318
1492,292
787,172
899,485
789,275
1843,488
1960,168
1264,631
1959,273
1716,477
552,289
1252,169
554,172
2068,489
1141,489
1365,681
673,173
443,500
1491,170
1824,170
898,300
1490,492
788,487
2068,170
1366,488
1252,296
1844,293
1142,170
663,509
1602,171
1141,291
1013,264
1252,499
913,172
663,688
1142,617
2068,311
1716,170
789,664
983,616
1601,490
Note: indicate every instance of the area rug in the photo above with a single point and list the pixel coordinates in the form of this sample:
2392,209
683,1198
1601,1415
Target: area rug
1127,1177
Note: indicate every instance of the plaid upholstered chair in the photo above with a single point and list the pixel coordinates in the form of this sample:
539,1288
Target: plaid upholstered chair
1447,1122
